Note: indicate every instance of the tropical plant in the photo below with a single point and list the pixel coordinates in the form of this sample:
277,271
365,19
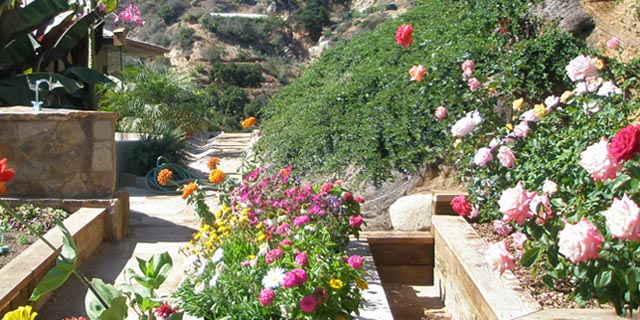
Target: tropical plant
49,40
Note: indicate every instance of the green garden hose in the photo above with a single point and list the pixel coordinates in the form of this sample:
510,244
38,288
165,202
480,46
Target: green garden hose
181,176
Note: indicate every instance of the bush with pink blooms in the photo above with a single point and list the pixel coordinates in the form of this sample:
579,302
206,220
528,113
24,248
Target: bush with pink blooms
276,250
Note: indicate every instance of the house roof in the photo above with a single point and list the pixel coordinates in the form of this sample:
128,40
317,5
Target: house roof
134,47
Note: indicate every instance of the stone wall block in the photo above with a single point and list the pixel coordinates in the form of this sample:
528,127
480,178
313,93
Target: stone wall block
102,157
29,129
103,130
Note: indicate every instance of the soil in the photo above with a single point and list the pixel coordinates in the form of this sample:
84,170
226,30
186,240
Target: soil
15,246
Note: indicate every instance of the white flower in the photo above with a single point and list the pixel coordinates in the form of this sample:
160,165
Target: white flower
551,101
581,68
264,248
310,228
549,187
274,278
463,126
199,288
217,256
590,85
530,116
214,281
608,89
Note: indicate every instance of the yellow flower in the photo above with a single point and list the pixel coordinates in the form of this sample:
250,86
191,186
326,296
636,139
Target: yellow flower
261,236
362,284
517,104
163,176
540,110
216,176
22,313
218,214
336,284
565,96
598,62
189,189
259,225
509,126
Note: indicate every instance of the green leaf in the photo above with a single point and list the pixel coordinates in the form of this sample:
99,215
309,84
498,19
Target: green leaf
558,203
117,309
530,257
69,250
176,316
37,13
106,291
53,279
154,271
548,281
603,278
87,75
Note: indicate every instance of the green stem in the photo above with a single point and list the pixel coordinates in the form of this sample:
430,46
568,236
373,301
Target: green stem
77,272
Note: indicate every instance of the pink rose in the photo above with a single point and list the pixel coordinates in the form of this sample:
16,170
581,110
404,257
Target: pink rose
613,43
467,68
308,304
581,68
608,88
359,199
266,297
417,73
355,261
514,204
460,205
403,35
326,187
541,208
519,239
588,86
549,187
441,113
347,196
494,143
599,162
579,242
551,101
623,219
499,258
482,157
474,212
465,125
521,130
474,84
530,116
626,143
506,157
501,228
355,221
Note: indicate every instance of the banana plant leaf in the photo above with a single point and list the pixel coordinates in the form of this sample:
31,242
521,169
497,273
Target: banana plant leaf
18,52
18,90
70,38
40,12
86,75
9,20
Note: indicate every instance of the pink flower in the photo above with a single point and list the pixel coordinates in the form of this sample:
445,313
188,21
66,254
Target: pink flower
521,130
273,255
626,143
308,304
285,243
530,116
623,219
347,196
289,280
359,199
514,204
599,162
417,73
549,187
581,68
482,157
506,157
540,207
165,310
587,86
499,258
613,43
441,113
131,14
551,101
403,35
519,239
355,221
608,88
467,68
301,276
474,84
494,143
474,212
355,261
460,205
579,242
465,125
326,187
501,228
301,220
301,259
266,297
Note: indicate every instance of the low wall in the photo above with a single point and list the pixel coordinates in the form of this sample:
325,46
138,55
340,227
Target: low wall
59,153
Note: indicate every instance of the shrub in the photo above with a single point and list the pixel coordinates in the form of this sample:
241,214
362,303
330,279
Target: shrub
237,74
170,145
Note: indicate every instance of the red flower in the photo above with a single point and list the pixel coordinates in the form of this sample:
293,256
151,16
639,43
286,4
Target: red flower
460,205
165,310
626,143
5,174
403,35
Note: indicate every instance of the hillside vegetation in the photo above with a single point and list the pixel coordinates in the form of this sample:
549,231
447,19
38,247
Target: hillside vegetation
357,110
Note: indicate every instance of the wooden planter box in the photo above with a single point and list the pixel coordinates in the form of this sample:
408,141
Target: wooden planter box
472,291
22,274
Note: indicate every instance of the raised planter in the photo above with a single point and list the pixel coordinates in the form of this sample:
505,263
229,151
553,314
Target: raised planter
20,276
472,291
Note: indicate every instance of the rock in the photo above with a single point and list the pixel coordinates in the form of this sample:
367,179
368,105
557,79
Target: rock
411,213
570,13
316,51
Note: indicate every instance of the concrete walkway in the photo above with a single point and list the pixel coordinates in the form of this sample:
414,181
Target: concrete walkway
162,223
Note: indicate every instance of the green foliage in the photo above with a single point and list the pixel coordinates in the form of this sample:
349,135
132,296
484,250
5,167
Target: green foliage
170,10
226,106
313,17
244,75
44,217
170,145
267,36
357,108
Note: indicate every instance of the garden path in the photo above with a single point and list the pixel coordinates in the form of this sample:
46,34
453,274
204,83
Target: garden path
162,223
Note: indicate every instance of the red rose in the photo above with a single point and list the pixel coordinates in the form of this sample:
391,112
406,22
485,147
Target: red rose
626,143
460,205
403,35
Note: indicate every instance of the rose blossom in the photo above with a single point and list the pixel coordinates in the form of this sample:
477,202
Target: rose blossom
626,143
355,261
608,88
579,242
483,155
467,68
460,205
541,208
588,86
506,157
441,113
530,115
501,228
519,239
565,96
551,101
465,125
521,130
474,84
499,258
549,187
623,219
308,304
494,143
613,43
417,73
355,221
599,162
267,296
474,212
581,68
514,204
403,35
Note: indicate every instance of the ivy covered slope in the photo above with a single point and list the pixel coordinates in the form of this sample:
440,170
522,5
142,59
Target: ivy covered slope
356,107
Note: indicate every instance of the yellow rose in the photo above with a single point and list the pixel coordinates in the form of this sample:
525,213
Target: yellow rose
517,104
540,110
509,126
565,96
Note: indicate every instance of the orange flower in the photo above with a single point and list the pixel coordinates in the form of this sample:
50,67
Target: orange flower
248,122
164,175
216,176
189,189
417,73
5,174
213,163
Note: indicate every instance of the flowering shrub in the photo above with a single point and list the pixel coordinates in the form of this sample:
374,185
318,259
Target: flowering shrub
276,249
